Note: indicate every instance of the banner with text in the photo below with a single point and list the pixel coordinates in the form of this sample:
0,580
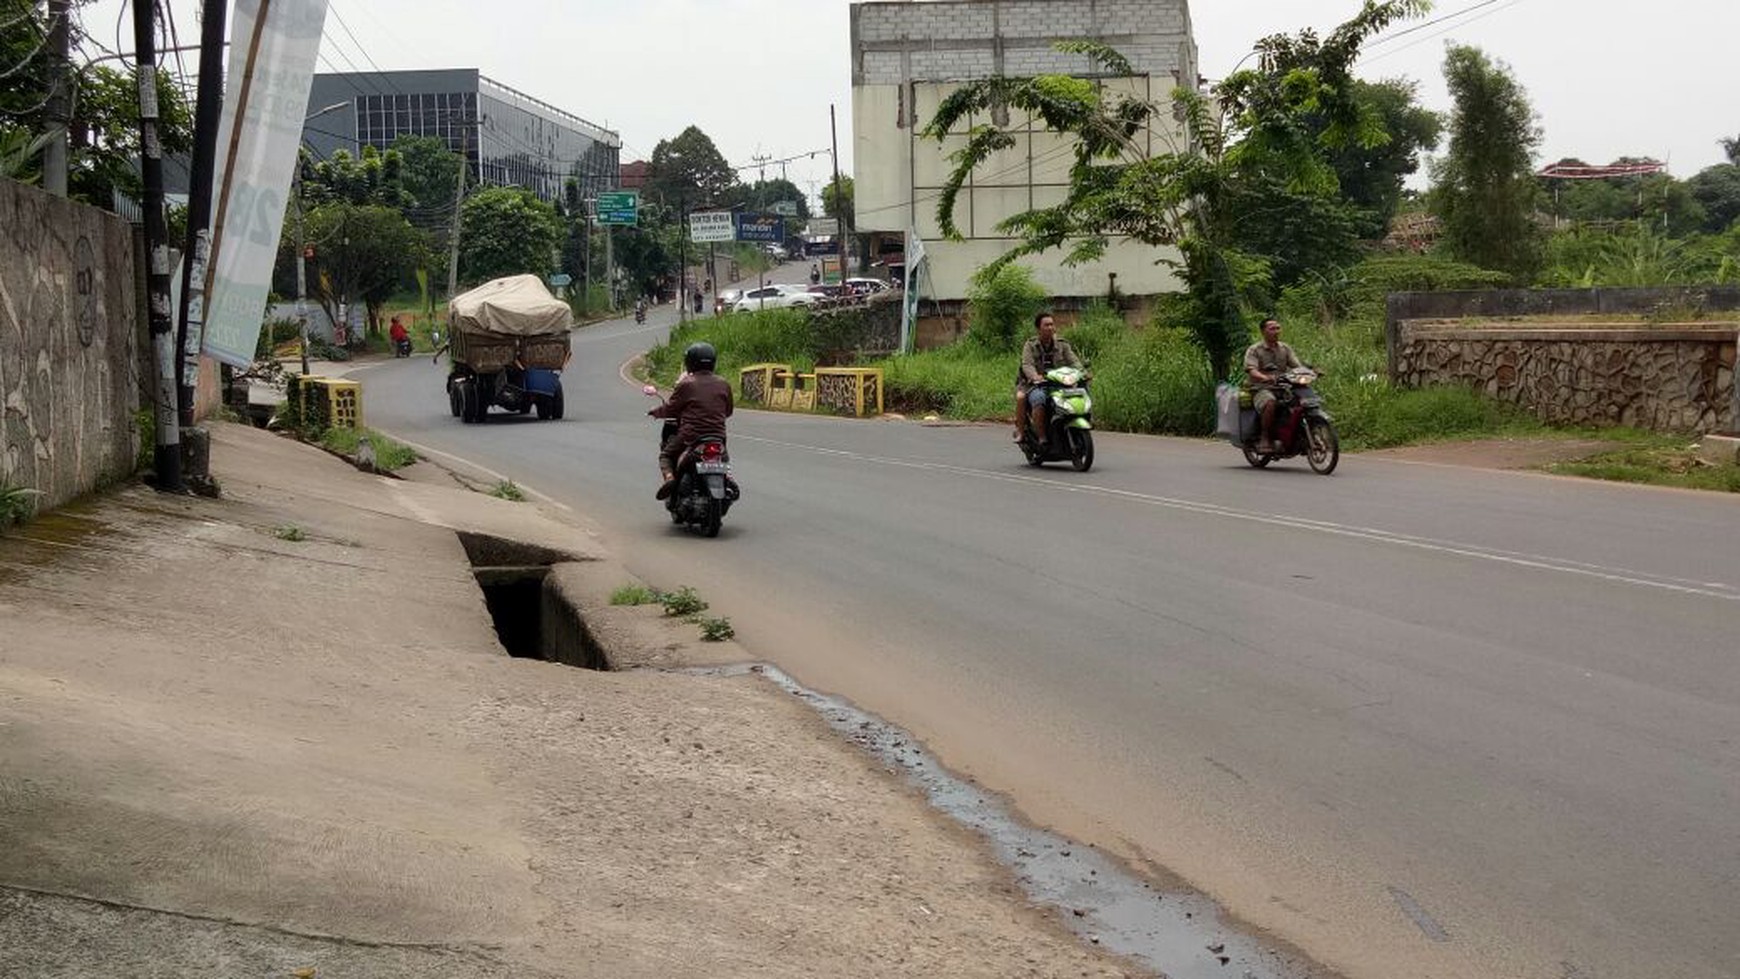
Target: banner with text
705,226
760,227
255,160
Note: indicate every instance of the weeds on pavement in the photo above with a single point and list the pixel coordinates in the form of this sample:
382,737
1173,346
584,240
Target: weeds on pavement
507,490
634,595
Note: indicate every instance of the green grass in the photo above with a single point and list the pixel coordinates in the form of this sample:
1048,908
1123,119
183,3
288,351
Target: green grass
1657,465
508,490
389,455
634,595
716,630
775,336
291,533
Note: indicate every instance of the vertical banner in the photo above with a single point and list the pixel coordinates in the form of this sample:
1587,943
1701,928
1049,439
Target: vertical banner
915,259
272,50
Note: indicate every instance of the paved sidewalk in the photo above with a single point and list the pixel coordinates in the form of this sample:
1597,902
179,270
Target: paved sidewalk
226,753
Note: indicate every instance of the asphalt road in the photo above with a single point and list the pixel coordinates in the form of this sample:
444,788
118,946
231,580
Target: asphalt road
1416,720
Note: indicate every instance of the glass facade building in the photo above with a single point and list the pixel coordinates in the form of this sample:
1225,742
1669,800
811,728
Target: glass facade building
507,137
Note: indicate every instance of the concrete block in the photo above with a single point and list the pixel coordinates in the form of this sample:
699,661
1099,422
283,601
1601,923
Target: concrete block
1720,449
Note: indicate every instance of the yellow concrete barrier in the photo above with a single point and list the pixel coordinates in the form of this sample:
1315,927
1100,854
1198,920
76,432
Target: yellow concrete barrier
855,391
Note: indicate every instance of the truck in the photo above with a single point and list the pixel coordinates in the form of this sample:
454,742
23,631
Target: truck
507,345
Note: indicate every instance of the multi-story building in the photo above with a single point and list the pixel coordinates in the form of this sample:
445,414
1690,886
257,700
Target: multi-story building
507,136
908,56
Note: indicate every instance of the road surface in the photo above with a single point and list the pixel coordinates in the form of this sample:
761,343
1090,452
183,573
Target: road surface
1416,720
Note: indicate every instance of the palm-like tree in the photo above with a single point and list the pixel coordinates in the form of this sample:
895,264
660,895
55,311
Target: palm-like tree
1732,148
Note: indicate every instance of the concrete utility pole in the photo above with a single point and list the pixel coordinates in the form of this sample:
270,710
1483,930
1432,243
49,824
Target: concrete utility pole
59,97
843,228
190,333
166,454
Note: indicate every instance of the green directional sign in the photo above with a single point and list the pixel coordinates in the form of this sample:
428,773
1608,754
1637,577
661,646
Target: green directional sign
618,207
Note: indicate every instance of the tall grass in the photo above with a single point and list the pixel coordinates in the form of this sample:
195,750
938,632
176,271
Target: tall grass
772,336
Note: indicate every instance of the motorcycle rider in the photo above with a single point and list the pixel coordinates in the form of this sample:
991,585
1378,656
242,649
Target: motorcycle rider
640,310
1040,354
400,336
699,404
1265,362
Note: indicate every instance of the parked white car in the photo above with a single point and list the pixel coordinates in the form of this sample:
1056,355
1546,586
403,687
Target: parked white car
774,297
866,287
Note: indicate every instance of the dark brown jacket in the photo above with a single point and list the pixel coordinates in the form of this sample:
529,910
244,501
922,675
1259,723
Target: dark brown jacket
700,404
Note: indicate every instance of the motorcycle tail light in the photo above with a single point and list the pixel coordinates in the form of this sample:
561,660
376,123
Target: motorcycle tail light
712,450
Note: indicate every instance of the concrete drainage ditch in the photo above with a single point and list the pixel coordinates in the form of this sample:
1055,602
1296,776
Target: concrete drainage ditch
533,618
1179,933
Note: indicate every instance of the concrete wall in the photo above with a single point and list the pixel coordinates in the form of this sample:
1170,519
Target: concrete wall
907,57
69,342
1654,358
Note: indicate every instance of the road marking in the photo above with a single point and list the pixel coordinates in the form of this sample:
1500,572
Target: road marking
1457,548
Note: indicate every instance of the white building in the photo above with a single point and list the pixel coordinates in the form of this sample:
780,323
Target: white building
907,56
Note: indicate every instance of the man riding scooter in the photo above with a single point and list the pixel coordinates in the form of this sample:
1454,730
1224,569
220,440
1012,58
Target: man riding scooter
1039,356
699,404
400,337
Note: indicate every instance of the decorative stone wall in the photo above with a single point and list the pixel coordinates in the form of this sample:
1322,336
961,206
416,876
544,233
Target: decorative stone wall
69,366
1667,377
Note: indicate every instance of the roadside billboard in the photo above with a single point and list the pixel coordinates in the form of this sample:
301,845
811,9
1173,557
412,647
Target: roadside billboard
761,228
705,226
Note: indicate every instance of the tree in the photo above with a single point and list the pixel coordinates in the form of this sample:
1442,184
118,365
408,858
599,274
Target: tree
689,169
843,205
1274,127
103,133
1485,191
429,175
362,251
507,231
375,179
1371,177
1717,189
1731,149
763,194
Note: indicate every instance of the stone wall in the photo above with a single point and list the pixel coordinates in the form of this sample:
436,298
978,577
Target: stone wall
69,342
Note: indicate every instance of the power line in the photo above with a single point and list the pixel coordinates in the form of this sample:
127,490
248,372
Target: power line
1384,54
1425,24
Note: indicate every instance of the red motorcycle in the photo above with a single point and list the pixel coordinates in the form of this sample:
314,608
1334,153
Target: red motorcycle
1302,426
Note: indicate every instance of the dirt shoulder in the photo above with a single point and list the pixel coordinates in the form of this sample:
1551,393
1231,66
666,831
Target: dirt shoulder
1506,453
232,753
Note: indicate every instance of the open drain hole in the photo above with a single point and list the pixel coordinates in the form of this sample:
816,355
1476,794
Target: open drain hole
534,617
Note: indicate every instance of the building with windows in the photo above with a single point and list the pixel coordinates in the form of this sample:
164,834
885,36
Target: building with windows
508,137
908,56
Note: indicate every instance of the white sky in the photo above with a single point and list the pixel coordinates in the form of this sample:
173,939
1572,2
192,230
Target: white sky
1606,78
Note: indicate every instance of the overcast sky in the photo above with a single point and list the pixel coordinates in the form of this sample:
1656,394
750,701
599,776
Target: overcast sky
1606,78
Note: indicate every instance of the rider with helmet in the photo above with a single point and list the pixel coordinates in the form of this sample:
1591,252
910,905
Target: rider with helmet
699,404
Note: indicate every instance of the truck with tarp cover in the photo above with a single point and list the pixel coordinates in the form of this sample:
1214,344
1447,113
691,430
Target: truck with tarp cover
507,345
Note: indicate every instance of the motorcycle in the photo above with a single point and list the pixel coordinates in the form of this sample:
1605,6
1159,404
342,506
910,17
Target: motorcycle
1068,422
640,314
705,487
402,348
1302,426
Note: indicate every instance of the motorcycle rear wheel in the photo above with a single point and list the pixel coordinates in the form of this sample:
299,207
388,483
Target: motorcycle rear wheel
1081,449
1256,460
1323,446
715,518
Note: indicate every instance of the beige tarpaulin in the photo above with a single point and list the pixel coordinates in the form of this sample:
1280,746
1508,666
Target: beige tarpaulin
517,305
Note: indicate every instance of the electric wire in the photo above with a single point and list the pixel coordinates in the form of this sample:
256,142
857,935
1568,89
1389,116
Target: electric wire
1415,43
1385,39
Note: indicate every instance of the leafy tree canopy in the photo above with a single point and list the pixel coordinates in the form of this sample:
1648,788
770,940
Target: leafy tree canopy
840,205
1717,190
763,194
376,179
364,252
690,169
1371,176
429,174
507,231
1486,192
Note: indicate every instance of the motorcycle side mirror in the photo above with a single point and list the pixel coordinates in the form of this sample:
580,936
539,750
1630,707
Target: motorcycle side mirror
650,391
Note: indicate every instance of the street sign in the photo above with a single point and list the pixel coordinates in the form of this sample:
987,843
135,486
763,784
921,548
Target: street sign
618,207
824,227
707,226
560,279
760,227
785,208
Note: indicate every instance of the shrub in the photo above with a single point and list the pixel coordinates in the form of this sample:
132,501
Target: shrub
291,533
716,630
1155,380
508,490
389,454
777,336
1003,306
17,504
683,602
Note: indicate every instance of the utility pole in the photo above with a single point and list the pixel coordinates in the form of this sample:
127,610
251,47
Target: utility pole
166,454
610,263
458,199
301,263
843,227
59,97
683,262
208,113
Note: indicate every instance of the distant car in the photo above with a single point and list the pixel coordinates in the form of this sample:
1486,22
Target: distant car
832,292
726,299
777,252
866,286
774,297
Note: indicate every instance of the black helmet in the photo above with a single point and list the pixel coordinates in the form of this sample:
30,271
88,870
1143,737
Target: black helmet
699,357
